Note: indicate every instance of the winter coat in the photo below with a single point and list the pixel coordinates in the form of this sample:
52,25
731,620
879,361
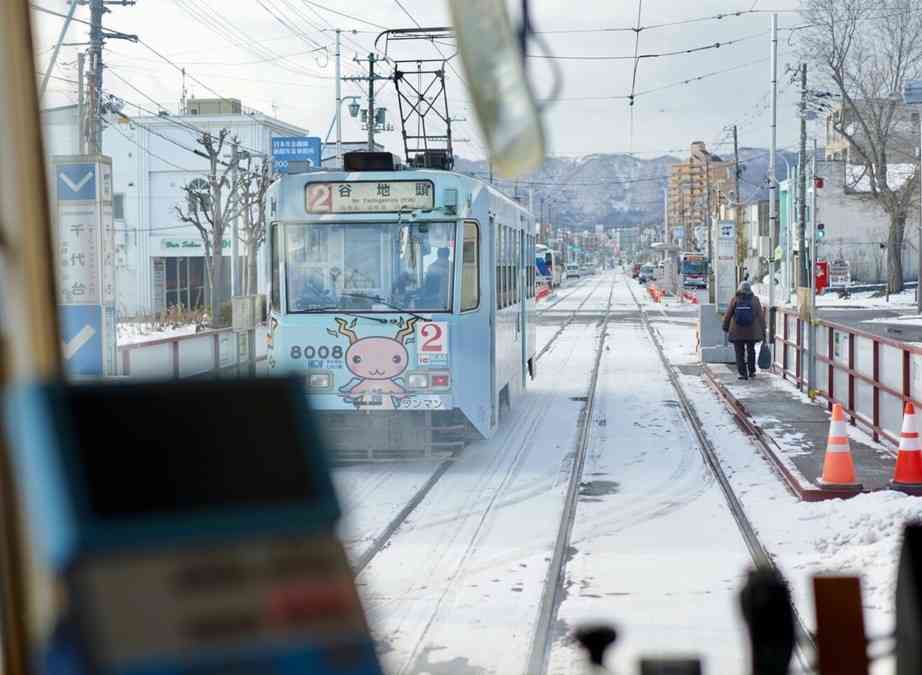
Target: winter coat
754,332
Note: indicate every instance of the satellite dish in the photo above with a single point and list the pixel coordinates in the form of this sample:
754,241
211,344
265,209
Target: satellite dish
497,82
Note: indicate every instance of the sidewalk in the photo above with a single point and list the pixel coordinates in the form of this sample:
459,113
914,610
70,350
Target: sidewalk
793,432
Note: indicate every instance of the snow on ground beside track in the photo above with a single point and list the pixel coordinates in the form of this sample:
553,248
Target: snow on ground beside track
857,300
858,536
654,547
372,495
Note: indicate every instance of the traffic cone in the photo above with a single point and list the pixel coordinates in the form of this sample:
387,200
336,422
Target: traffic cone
838,469
907,475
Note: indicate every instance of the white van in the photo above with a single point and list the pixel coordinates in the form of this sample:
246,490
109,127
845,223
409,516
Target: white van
572,271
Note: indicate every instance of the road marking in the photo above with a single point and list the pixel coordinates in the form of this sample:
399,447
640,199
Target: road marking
73,345
76,187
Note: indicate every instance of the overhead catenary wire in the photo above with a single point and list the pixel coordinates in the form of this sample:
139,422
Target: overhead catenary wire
677,52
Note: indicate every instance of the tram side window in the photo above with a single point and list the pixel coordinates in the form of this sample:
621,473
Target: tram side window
470,267
508,267
274,262
499,267
516,253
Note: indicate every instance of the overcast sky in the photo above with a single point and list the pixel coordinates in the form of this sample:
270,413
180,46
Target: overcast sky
300,87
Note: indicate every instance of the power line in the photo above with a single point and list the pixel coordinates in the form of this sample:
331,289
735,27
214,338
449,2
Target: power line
671,85
343,14
678,52
638,28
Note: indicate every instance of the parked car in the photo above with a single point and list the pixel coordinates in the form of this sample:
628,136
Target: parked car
572,271
647,273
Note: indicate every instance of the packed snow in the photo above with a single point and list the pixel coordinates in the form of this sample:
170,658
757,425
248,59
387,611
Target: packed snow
135,333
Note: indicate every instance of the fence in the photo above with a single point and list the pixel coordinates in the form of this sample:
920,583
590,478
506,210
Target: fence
184,356
869,375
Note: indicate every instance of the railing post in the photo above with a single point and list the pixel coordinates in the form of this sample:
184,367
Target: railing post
216,346
831,368
174,350
851,377
876,397
906,385
784,351
799,355
126,362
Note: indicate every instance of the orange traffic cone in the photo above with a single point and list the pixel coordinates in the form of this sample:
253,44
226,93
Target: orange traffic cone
838,469
907,475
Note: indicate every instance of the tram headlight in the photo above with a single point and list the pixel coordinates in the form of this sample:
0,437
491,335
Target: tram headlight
418,381
319,380
440,380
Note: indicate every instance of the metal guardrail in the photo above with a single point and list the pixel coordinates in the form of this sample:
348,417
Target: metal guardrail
869,375
182,356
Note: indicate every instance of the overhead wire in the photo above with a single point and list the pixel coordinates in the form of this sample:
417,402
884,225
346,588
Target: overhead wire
677,52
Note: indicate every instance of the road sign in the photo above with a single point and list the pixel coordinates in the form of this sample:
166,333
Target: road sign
76,181
298,149
81,333
85,253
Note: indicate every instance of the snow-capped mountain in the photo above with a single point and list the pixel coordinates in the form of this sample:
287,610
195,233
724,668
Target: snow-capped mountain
612,189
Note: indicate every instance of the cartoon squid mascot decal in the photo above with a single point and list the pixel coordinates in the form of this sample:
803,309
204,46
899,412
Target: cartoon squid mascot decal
376,364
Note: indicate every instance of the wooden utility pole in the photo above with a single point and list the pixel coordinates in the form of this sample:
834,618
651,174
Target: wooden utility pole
736,194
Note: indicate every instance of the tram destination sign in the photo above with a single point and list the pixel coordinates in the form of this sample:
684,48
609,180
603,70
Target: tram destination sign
369,196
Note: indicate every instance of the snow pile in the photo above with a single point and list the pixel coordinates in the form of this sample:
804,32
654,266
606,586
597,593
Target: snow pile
135,333
864,538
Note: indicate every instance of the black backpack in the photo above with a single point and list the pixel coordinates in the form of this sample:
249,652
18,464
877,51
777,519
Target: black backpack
743,313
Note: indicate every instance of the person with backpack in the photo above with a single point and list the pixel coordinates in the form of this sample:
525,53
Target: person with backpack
745,325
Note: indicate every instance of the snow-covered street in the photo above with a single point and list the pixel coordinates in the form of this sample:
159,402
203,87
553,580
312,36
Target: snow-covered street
459,583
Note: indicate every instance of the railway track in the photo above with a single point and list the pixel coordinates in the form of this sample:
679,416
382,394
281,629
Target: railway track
380,541
553,583
757,551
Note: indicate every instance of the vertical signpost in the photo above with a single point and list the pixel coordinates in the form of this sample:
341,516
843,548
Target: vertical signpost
725,269
85,245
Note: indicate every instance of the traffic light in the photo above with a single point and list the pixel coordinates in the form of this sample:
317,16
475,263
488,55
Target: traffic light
820,230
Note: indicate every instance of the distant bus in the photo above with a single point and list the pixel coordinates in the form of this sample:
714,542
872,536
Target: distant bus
694,270
546,261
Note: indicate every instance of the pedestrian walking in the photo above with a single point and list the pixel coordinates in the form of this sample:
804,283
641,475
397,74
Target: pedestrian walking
745,325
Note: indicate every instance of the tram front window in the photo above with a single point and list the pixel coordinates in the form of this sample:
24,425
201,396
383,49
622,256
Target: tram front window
370,266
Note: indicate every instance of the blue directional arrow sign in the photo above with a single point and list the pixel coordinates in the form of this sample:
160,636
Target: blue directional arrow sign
76,182
81,328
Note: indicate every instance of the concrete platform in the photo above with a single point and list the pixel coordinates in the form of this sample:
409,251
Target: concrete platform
793,430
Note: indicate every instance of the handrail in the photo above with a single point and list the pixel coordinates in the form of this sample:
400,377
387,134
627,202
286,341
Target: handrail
871,418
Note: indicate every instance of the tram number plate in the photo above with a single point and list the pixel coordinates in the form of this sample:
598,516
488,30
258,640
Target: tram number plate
424,402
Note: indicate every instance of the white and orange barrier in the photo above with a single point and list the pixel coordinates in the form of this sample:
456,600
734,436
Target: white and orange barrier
838,467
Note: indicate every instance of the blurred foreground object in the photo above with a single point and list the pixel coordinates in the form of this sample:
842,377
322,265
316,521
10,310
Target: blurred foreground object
498,85
766,604
188,551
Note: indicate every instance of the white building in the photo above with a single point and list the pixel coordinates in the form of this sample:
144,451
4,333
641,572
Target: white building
856,226
161,260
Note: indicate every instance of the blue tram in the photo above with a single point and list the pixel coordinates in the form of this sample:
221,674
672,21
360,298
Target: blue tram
405,297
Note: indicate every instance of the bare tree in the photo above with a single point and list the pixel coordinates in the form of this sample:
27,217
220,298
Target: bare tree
254,184
210,208
865,50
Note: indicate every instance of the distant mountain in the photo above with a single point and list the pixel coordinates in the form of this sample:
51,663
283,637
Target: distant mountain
612,189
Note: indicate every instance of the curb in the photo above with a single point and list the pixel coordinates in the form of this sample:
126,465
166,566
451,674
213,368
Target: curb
770,450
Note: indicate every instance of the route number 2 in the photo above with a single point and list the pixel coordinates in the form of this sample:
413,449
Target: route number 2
431,334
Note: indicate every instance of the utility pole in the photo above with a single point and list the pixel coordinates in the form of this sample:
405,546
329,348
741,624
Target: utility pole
96,11
81,106
57,48
371,102
803,279
339,98
712,292
736,191
811,324
97,38
772,182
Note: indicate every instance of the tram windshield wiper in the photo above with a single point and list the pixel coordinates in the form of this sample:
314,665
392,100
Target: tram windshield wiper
378,298
340,310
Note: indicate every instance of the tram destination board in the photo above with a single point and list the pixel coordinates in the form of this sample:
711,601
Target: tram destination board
369,196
